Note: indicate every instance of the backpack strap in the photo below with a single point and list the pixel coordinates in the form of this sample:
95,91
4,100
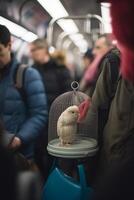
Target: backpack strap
19,79
20,73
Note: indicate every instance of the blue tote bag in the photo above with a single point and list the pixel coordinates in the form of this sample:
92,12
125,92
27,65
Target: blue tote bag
61,186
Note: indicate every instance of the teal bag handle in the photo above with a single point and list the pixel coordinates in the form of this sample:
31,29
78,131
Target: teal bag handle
82,176
87,191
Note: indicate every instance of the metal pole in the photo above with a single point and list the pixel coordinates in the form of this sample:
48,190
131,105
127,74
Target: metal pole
67,44
89,16
60,39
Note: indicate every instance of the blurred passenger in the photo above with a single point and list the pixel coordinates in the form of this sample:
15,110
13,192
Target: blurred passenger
101,100
102,46
53,74
103,97
60,57
118,138
23,116
88,58
57,81
71,64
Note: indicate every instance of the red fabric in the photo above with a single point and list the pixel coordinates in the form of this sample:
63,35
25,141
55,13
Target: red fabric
83,109
92,70
122,13
127,63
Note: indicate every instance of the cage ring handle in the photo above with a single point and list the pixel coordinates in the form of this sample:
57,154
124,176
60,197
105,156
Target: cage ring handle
75,85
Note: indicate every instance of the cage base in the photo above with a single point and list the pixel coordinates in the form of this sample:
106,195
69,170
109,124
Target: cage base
81,148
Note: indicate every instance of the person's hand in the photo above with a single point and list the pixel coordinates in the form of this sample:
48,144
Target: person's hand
16,143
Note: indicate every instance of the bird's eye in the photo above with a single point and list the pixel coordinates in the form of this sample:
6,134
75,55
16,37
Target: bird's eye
73,112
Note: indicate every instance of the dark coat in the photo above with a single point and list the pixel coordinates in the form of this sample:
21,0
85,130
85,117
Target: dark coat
118,131
57,79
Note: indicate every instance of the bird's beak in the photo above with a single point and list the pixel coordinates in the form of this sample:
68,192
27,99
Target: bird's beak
83,109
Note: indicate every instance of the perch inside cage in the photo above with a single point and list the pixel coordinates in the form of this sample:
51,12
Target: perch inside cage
69,131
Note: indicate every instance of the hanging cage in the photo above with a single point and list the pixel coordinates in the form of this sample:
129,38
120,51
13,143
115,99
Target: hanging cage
69,128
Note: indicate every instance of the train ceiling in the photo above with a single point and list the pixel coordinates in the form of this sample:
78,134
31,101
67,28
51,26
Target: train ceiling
30,14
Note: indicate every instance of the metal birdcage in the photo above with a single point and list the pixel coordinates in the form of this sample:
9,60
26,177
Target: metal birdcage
83,145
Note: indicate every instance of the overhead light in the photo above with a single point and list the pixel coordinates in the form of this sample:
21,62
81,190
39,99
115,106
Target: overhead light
105,11
29,36
56,10
68,26
107,5
76,37
18,30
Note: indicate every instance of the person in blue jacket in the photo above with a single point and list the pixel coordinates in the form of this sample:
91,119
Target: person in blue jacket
25,116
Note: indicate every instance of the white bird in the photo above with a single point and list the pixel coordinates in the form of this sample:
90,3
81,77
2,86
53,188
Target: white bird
67,125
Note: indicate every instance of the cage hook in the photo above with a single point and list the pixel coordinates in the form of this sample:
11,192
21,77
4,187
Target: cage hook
75,86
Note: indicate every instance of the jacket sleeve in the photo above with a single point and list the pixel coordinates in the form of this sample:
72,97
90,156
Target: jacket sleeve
36,106
104,87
